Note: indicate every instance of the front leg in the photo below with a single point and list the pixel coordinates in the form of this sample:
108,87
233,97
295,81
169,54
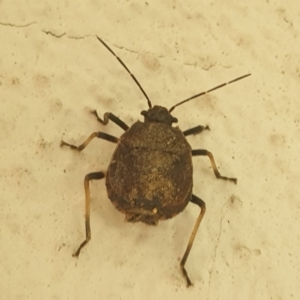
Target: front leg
110,116
195,130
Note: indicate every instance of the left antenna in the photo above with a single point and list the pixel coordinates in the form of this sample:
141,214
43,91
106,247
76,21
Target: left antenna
121,62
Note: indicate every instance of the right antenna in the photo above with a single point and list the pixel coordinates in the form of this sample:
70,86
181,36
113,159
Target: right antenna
206,92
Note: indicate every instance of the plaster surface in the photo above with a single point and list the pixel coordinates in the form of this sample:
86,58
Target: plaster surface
53,71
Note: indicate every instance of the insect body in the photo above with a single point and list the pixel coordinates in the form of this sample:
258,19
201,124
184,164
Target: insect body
150,176
155,163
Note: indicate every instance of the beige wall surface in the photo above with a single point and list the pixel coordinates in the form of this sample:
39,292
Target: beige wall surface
53,70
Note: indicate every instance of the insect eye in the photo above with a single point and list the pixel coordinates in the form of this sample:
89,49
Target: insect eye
174,120
144,113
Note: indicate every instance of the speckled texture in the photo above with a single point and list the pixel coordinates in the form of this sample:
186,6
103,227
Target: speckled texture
53,71
150,177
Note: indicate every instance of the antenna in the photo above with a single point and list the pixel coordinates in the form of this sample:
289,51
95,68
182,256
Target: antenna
208,91
121,62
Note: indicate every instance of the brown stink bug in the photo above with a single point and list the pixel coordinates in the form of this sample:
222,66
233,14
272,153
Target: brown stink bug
150,176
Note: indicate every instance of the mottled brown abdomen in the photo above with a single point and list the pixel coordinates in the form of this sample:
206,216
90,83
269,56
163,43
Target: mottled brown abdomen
150,174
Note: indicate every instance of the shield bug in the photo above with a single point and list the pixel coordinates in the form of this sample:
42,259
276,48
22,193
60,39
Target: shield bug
150,175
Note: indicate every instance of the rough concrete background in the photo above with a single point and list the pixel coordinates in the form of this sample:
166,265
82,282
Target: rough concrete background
53,70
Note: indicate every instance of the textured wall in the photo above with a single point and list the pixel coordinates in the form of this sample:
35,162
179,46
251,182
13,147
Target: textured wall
53,71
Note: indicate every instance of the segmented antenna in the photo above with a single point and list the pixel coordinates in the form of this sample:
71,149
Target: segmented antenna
208,91
121,62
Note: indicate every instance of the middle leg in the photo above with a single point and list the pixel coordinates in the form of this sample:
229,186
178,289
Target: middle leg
203,152
100,135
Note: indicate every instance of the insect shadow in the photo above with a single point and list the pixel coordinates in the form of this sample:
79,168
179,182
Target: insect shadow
150,175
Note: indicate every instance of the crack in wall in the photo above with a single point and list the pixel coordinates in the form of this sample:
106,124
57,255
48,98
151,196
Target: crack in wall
216,247
54,34
16,25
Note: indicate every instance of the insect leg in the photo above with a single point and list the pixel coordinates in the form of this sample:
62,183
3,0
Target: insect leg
87,179
100,135
203,152
195,130
201,204
109,116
